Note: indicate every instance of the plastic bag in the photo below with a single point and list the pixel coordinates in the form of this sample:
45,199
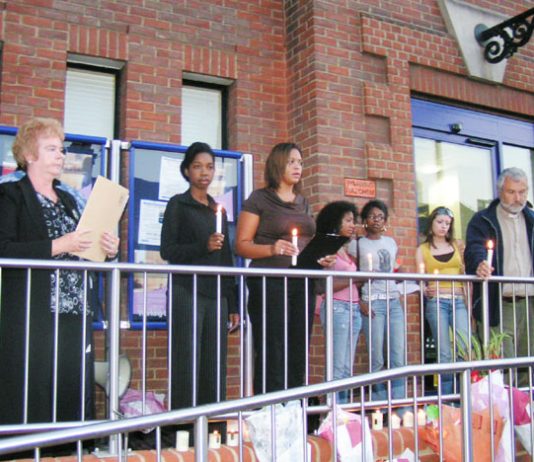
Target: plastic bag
349,436
131,404
522,418
452,434
500,400
289,443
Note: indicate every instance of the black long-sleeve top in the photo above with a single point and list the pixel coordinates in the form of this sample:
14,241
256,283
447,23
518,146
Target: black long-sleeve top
187,226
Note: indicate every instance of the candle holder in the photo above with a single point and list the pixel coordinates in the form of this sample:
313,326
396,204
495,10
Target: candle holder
232,439
377,420
214,440
182,440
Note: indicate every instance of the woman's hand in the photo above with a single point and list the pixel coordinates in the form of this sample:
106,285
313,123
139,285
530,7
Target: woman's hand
364,309
215,242
327,261
109,244
233,321
77,241
484,270
283,247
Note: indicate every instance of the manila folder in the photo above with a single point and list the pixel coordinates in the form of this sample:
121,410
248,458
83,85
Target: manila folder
102,213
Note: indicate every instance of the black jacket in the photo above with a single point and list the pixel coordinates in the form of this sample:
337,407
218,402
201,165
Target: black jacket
23,234
187,226
482,227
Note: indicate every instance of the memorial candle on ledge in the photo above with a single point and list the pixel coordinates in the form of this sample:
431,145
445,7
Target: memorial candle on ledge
295,242
489,256
421,418
218,219
214,440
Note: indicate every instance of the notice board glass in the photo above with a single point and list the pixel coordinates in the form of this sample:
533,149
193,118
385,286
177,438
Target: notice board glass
154,178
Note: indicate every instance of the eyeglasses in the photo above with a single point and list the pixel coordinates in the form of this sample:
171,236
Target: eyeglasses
377,217
55,149
444,211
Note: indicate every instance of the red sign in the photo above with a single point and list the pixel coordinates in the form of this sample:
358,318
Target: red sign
360,188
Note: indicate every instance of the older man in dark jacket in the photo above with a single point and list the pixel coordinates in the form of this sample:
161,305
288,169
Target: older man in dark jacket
509,223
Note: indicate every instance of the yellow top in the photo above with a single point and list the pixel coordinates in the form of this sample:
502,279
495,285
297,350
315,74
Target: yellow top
452,267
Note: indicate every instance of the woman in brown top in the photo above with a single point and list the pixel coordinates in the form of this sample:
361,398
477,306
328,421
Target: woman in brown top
264,235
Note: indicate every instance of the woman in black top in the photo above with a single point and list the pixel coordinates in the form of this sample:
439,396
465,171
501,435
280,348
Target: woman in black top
39,221
188,237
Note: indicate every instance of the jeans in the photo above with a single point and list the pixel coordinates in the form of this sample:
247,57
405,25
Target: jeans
446,309
344,343
395,342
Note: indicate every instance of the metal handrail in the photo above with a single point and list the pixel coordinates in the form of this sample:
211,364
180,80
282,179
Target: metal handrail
103,429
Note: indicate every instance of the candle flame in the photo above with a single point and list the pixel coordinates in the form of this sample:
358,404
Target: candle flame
489,245
436,271
294,232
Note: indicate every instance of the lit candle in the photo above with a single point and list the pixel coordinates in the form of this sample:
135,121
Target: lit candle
436,271
218,219
489,257
421,268
370,261
407,419
182,440
376,419
421,417
232,439
214,440
395,421
295,242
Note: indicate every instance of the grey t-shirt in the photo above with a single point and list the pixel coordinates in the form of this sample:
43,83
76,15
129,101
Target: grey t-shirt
381,254
277,220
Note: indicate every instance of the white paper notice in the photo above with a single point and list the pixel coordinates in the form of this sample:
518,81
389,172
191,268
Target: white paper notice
171,181
150,221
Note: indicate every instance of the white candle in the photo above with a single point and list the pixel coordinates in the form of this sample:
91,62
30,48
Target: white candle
421,268
395,421
407,419
489,257
182,440
370,262
232,439
376,419
218,219
295,242
421,417
214,440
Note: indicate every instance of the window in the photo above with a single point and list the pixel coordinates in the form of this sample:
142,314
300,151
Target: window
91,96
458,155
204,111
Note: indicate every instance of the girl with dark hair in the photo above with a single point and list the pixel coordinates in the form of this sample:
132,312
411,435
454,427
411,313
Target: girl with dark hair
441,253
189,237
264,232
340,218
380,303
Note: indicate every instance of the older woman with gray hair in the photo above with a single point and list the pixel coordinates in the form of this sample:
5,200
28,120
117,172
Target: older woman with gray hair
46,348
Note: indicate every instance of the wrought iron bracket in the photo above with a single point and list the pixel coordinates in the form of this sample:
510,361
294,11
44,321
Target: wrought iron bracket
502,41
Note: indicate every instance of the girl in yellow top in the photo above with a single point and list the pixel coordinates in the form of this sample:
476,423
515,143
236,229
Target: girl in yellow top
447,309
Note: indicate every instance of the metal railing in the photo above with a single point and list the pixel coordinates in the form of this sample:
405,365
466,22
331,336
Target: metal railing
239,409
116,301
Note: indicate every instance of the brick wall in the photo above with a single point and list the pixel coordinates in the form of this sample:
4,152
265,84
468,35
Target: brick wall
335,76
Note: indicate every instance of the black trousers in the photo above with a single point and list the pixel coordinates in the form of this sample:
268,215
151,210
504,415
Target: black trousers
208,382
280,355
